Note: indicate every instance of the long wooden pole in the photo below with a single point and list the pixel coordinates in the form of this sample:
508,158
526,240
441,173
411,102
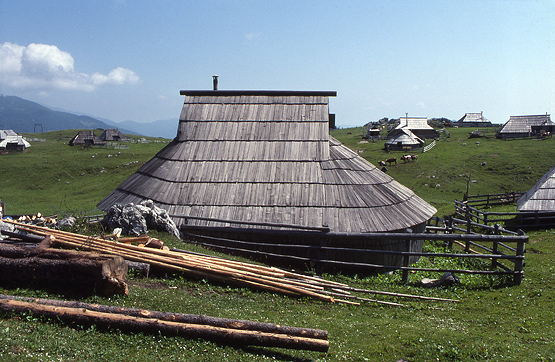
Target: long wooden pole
123,322
218,269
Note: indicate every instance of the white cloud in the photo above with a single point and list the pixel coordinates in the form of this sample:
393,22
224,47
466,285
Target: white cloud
254,37
42,66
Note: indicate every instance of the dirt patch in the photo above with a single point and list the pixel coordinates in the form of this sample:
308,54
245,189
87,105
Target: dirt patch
494,155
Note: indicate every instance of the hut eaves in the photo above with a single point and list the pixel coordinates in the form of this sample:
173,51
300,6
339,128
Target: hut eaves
541,197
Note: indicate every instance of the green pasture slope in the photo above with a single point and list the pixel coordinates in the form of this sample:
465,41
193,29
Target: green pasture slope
494,320
52,177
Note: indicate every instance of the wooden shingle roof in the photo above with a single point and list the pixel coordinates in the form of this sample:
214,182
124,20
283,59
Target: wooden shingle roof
473,117
268,157
414,123
541,197
524,124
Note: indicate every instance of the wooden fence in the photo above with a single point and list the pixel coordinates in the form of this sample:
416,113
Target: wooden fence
504,253
492,199
474,218
429,147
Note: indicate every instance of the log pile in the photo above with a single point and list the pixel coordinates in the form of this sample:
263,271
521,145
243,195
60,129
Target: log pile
225,331
220,270
59,270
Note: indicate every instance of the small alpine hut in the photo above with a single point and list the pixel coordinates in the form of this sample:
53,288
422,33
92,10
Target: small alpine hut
113,135
541,197
417,125
258,171
404,140
86,138
473,120
527,126
11,141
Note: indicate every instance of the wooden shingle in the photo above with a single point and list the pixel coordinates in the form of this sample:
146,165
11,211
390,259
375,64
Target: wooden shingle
267,157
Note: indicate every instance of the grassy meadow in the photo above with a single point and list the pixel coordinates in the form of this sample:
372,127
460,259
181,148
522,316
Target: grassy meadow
494,320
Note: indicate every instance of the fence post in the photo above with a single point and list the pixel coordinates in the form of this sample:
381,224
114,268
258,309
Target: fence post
468,221
494,248
406,259
519,262
184,231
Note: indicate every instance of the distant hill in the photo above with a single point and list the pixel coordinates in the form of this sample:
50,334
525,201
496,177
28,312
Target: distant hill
22,115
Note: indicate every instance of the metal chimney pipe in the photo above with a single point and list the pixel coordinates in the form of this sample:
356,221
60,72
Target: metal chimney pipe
215,81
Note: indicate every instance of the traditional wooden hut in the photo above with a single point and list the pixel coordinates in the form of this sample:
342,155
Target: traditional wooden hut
11,141
417,125
541,197
246,165
473,120
113,135
86,138
526,126
404,140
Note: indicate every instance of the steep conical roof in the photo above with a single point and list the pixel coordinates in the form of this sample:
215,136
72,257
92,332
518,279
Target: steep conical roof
541,197
268,157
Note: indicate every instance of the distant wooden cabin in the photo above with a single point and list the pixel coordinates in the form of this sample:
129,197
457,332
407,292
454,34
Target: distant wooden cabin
417,125
86,138
541,197
472,120
527,126
252,164
373,132
114,135
404,140
11,141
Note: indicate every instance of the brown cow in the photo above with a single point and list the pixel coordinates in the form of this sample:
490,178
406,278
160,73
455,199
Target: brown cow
391,160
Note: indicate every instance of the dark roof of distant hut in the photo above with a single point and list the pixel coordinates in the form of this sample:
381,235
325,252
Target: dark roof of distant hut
523,125
267,157
113,134
541,197
405,137
86,138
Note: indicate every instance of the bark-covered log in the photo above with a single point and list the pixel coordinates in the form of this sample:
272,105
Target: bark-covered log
182,318
67,271
228,336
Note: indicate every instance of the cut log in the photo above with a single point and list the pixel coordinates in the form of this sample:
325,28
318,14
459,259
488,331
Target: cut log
181,318
67,271
227,336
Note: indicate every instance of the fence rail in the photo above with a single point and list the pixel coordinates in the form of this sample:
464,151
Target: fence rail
474,217
505,253
429,147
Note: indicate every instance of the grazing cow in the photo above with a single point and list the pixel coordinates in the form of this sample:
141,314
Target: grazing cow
391,160
406,158
414,157
381,163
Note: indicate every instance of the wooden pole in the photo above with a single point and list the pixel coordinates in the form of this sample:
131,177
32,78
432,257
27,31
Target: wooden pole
179,317
123,322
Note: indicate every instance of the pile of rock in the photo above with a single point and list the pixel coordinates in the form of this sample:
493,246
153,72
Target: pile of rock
136,220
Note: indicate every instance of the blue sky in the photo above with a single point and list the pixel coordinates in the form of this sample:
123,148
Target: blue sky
128,60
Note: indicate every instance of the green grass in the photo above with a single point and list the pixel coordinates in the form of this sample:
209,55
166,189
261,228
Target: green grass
494,320
454,164
52,177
